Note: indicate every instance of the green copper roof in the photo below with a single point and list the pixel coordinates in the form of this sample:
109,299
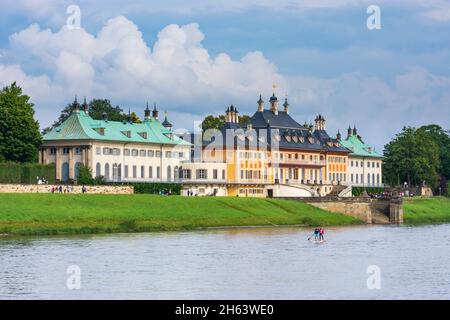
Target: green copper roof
80,126
359,148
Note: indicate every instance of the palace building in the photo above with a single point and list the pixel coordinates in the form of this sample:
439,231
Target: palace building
118,151
365,163
271,155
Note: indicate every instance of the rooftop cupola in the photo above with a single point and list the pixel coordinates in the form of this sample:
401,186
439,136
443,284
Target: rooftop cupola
349,131
338,136
85,106
231,114
129,118
286,105
155,112
355,132
75,105
147,113
166,124
260,104
274,104
319,122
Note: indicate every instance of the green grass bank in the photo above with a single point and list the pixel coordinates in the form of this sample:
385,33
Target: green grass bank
426,210
49,214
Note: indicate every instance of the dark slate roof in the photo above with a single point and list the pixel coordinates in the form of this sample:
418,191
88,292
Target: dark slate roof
281,120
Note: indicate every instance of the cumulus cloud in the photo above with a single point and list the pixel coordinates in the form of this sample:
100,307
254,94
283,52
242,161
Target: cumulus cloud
179,73
118,63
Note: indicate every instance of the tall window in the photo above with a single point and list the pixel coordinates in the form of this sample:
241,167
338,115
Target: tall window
169,173
107,176
215,174
126,171
142,172
150,172
134,171
98,169
158,172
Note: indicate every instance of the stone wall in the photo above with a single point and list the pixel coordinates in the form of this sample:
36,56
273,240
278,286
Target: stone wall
379,211
359,210
19,188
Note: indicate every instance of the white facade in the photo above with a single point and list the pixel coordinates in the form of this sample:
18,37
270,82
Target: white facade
365,171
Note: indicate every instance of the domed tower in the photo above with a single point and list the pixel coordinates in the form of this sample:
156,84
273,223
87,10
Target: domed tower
274,104
75,105
286,105
166,124
155,112
147,113
85,106
260,104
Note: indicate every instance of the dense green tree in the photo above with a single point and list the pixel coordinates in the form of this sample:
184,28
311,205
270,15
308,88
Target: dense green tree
442,139
98,107
412,156
85,175
212,122
19,131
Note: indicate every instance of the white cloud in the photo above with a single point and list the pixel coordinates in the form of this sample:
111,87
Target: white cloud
178,73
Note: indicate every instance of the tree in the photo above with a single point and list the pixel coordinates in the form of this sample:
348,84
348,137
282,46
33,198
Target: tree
212,122
412,156
442,139
19,131
85,175
97,108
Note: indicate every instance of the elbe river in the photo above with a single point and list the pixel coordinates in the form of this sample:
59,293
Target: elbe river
363,262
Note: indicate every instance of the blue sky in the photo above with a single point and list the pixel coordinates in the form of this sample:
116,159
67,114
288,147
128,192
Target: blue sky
196,57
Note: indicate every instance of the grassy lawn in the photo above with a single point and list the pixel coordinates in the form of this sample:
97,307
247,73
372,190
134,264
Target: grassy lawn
427,210
44,214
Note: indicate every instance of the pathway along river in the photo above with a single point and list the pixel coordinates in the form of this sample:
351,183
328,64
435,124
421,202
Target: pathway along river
260,263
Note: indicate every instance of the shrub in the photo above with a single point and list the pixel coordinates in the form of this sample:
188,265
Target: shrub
26,173
357,191
85,175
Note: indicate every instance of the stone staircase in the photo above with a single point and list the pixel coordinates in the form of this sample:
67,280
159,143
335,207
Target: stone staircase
336,190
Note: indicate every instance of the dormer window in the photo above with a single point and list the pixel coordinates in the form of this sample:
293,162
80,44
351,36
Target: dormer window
311,140
143,134
127,133
288,138
100,131
295,138
302,139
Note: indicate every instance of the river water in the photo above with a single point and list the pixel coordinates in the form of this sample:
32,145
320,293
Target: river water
258,263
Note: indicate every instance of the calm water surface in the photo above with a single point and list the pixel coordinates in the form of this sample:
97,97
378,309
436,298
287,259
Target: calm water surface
261,263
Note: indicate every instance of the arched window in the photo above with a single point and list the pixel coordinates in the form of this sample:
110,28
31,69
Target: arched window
65,172
98,170
169,173
77,169
175,173
107,177
115,172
